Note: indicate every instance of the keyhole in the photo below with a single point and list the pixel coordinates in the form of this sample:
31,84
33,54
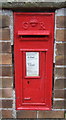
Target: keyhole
28,82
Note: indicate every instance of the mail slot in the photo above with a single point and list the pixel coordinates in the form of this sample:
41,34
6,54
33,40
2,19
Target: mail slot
33,57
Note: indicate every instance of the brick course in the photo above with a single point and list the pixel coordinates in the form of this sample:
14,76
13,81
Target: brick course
26,114
7,103
0,103
51,114
5,21
6,93
5,47
4,34
6,82
6,70
59,72
60,48
60,35
7,114
59,83
0,114
60,21
6,58
58,104
58,93
60,60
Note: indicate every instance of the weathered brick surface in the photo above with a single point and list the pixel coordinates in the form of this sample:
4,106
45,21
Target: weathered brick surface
0,70
61,21
5,47
59,84
6,70
6,58
60,48
65,94
0,82
5,34
0,114
58,104
5,21
0,21
64,83
60,35
60,60
7,114
6,82
65,104
59,93
7,93
60,72
26,114
7,103
0,103
0,93
51,114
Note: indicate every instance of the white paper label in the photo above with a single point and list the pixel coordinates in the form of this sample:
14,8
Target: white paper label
32,63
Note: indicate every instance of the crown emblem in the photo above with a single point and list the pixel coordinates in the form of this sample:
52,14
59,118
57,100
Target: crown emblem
33,22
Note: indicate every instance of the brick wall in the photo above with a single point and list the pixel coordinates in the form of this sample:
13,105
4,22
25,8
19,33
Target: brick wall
7,91
60,60
6,76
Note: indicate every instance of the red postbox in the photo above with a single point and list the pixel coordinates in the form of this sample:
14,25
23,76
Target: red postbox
33,57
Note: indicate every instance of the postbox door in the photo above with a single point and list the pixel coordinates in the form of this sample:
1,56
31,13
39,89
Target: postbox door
33,77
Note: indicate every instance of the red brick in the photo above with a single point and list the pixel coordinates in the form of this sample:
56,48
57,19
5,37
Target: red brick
1,114
5,34
60,49
26,114
61,21
60,35
60,72
64,104
7,93
6,58
59,84
60,60
0,21
64,94
59,93
6,82
7,114
5,21
6,70
58,104
0,93
0,82
7,103
64,83
0,103
5,47
51,114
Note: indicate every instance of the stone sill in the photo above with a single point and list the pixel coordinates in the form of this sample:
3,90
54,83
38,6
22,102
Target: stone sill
30,5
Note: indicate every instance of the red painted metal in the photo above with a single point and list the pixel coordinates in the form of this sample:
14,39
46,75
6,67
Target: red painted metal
33,34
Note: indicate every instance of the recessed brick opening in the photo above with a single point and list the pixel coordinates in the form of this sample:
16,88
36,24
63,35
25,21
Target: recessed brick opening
7,84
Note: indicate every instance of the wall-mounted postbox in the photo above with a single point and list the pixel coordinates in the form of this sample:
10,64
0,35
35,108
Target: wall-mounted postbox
33,57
